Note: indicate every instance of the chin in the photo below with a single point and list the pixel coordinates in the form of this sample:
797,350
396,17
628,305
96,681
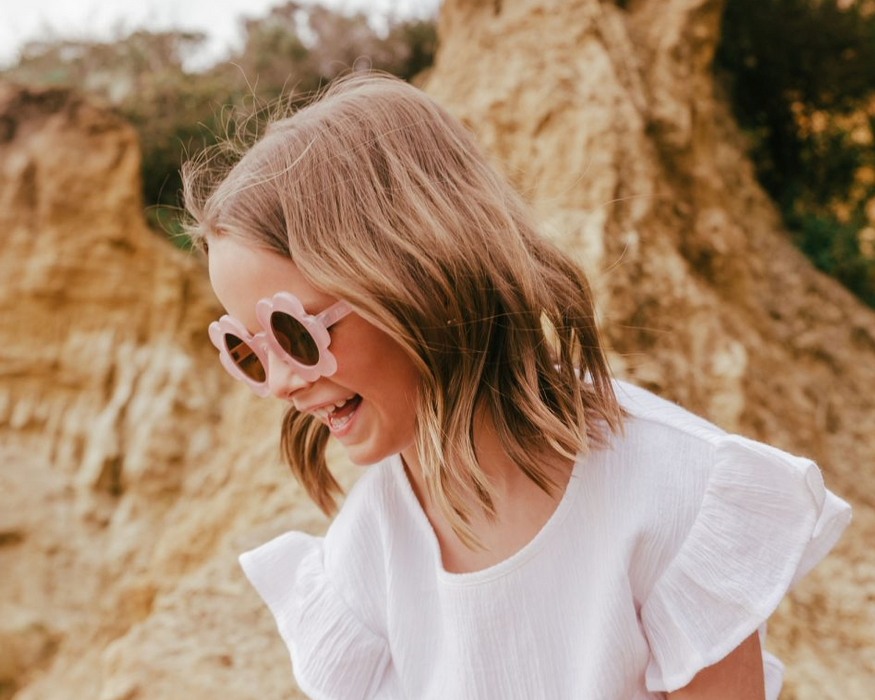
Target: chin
376,445
365,458
366,453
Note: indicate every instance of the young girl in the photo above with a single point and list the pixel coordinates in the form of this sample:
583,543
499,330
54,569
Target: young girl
526,527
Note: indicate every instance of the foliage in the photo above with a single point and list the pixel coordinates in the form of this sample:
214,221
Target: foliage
287,54
801,76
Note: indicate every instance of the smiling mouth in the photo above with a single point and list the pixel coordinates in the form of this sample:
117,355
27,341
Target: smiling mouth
338,417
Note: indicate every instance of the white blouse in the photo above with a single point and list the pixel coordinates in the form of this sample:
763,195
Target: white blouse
666,551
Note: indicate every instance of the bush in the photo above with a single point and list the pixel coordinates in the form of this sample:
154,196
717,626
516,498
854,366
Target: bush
801,78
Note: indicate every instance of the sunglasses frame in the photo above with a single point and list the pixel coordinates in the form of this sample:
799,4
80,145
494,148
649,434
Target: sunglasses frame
316,326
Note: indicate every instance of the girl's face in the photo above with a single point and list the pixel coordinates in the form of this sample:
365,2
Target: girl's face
372,369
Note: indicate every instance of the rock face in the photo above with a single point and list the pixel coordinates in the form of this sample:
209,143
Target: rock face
124,447
133,470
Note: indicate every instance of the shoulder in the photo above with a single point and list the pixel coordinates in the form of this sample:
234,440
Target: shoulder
661,462
364,505
664,451
670,451
355,547
328,596
647,409
648,483
680,483
718,527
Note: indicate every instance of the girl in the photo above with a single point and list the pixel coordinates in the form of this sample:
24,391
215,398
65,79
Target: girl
526,527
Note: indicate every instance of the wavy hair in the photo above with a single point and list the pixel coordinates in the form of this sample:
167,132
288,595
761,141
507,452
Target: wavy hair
381,198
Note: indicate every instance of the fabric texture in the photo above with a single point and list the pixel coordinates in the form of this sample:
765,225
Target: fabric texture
666,550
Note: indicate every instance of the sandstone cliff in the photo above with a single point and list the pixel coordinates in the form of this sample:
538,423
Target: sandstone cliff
133,470
129,461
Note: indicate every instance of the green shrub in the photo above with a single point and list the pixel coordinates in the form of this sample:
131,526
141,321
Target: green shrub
801,79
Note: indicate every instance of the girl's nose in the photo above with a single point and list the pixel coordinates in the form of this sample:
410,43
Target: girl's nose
282,379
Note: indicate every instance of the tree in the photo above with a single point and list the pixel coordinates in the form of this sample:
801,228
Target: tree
801,79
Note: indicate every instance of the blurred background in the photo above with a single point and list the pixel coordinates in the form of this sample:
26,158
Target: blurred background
169,68
709,162
800,76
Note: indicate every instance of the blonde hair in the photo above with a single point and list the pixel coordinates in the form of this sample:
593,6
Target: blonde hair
382,199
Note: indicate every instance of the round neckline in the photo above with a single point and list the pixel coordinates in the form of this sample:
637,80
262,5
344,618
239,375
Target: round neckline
505,566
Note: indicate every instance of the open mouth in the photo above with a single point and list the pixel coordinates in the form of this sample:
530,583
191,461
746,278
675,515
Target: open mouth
340,416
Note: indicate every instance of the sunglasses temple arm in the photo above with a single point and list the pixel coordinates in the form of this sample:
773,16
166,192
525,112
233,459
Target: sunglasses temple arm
334,313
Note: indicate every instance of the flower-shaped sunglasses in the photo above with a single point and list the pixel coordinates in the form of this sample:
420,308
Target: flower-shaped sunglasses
297,337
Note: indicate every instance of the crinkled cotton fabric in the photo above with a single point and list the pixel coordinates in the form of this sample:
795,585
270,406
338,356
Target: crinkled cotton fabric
667,549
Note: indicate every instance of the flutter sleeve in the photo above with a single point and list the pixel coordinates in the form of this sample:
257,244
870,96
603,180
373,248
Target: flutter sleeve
765,521
335,656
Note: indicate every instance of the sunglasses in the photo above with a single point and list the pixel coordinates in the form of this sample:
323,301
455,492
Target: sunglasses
297,337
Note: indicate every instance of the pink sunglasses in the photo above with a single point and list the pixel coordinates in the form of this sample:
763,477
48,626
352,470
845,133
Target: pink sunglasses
299,338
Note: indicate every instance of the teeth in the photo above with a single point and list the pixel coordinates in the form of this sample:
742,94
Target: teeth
338,423
326,412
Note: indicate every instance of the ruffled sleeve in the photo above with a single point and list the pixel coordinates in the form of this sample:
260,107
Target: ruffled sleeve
765,521
334,655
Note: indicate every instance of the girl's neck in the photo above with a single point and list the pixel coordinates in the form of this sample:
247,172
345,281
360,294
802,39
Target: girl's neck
521,507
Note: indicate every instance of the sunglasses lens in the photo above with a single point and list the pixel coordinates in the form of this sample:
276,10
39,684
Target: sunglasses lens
245,358
294,338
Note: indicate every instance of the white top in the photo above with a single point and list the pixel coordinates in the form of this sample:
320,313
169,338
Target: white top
666,551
